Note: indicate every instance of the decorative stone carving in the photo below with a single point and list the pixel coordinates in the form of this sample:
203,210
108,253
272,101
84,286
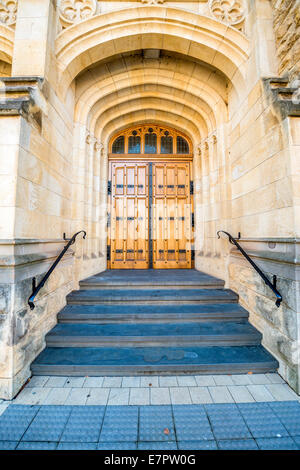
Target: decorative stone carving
8,12
73,11
152,2
231,12
88,138
99,147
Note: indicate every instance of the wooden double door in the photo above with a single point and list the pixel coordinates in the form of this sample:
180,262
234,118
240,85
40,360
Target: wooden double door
150,214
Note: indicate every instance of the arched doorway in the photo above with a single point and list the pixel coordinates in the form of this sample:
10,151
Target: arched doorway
150,199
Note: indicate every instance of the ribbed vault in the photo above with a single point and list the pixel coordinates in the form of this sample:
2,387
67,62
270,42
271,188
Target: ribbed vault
6,43
198,37
159,116
108,95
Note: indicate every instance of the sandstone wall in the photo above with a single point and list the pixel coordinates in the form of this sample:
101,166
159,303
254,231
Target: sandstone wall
287,33
208,83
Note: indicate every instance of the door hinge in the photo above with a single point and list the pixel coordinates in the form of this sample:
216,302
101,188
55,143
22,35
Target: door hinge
108,253
191,187
109,187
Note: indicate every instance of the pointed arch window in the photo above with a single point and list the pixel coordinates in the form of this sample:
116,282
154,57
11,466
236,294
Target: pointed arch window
150,141
182,145
119,145
166,143
134,143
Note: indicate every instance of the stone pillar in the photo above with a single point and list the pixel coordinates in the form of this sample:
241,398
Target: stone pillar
259,28
27,243
103,204
32,37
78,190
98,147
198,203
89,152
214,194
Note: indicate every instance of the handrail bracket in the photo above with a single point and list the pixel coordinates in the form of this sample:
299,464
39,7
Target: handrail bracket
272,285
37,288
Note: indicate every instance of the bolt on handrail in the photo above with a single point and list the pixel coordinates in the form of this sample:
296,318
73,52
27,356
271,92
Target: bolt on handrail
37,288
267,281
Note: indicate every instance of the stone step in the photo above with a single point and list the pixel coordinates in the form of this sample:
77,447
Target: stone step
144,296
278,82
164,278
158,360
151,313
172,334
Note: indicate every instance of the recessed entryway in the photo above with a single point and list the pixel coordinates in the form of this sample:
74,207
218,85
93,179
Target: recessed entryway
150,200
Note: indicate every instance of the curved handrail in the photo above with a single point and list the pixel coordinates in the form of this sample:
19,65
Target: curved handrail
37,288
257,269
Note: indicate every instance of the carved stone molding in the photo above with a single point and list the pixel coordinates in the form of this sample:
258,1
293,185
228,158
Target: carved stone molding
88,138
99,147
8,12
283,96
74,11
23,96
199,150
231,12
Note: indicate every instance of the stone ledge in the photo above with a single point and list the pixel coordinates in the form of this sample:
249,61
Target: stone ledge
281,250
21,259
30,258
23,96
271,240
25,241
280,95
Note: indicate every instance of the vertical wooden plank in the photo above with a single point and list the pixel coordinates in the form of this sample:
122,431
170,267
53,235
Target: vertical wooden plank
130,219
172,200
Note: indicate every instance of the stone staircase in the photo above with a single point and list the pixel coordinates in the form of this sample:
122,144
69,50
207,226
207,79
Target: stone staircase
135,322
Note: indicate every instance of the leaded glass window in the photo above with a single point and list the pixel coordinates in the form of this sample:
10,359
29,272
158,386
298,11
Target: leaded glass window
182,145
150,142
118,145
150,139
166,143
134,143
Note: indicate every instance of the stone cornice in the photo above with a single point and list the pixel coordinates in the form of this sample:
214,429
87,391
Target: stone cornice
280,250
282,97
30,241
23,96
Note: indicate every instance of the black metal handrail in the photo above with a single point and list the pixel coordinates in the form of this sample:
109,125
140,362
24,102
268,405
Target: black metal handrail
270,284
37,288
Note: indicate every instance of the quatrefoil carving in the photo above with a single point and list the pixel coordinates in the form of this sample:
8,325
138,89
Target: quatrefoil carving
231,12
74,11
8,12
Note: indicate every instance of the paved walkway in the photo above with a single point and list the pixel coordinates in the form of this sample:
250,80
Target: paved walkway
186,412
273,425
154,390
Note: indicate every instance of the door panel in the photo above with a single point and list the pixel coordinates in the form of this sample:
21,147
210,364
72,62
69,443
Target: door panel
171,207
168,202
129,216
